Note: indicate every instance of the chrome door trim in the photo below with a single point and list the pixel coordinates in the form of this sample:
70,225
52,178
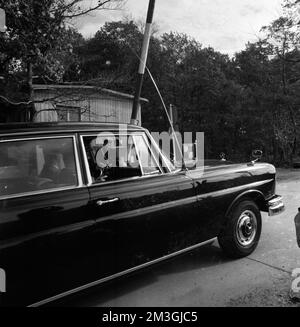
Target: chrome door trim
125,272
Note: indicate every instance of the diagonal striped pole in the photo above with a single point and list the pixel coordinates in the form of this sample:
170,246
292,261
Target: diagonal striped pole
143,60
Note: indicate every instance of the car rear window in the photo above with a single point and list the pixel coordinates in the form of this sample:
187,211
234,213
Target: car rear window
35,165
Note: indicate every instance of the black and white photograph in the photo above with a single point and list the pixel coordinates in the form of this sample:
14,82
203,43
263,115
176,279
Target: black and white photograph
149,156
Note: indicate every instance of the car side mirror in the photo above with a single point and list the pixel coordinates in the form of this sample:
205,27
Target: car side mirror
222,156
257,154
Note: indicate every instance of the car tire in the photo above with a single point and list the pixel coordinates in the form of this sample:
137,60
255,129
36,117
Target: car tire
242,230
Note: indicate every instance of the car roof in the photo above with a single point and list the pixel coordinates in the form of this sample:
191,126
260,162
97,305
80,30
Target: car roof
54,127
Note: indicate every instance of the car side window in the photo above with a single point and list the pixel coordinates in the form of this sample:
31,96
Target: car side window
116,157
28,166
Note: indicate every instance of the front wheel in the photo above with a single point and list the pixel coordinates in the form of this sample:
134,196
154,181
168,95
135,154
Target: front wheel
242,230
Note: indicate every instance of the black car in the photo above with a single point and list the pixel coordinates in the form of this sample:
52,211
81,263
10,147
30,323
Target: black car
70,221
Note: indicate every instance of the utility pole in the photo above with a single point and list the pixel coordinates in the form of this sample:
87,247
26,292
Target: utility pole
143,60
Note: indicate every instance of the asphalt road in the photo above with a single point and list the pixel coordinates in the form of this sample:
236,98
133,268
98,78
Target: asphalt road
206,278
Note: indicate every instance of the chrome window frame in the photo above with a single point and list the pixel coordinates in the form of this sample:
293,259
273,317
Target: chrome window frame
50,190
171,170
134,135
119,133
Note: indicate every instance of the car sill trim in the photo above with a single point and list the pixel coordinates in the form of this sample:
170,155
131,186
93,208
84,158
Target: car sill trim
120,274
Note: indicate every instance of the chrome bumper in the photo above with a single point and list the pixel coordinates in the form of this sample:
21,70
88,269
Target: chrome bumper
276,206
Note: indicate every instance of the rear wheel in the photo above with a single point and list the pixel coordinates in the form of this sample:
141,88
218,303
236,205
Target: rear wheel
241,233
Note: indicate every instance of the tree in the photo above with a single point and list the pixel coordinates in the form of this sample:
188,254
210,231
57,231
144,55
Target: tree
111,59
283,36
37,29
241,103
108,57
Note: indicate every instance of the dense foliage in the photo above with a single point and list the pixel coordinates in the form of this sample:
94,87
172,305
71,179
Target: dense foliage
39,41
242,103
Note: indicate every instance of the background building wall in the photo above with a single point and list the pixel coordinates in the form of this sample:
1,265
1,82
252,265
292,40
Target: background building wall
93,107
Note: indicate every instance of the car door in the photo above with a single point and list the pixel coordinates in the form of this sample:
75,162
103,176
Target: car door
46,244
142,212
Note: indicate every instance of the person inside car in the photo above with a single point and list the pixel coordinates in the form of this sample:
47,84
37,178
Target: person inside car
51,168
68,174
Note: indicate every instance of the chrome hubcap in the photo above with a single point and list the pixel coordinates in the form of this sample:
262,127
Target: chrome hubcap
246,228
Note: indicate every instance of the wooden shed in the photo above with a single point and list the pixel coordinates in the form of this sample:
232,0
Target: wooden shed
82,103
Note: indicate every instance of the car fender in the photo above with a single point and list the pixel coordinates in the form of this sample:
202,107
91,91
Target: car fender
255,195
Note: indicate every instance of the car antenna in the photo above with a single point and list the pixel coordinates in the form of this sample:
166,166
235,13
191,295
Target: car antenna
165,108
169,119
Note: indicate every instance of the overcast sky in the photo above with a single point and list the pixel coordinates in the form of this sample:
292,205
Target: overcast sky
226,25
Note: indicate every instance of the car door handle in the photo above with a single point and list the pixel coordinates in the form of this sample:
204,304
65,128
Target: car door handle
102,202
